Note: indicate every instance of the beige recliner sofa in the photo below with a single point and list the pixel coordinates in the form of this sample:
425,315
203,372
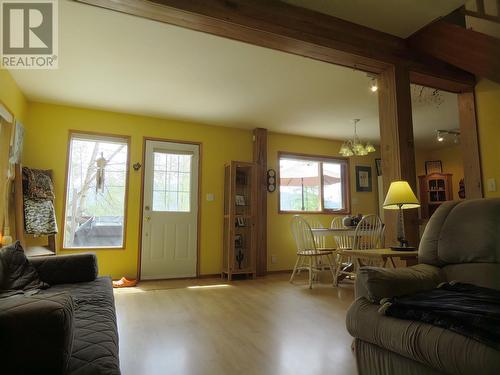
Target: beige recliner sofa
461,242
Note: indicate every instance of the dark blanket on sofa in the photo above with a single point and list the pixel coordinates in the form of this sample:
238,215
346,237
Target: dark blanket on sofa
467,309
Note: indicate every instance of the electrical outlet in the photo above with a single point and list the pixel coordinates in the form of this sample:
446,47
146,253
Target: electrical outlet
492,184
210,197
274,259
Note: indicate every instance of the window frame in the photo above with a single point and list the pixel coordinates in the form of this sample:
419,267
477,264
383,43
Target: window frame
346,186
91,134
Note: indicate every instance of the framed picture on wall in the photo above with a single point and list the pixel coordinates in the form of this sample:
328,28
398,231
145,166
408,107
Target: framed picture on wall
378,165
433,166
363,178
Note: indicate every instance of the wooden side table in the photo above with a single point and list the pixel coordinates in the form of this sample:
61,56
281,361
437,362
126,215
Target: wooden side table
385,255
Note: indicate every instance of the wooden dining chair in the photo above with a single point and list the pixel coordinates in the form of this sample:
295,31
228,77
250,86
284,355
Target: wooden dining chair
367,235
368,232
308,255
343,241
320,240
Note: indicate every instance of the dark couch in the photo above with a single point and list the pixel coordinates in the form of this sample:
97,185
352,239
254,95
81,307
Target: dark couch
69,328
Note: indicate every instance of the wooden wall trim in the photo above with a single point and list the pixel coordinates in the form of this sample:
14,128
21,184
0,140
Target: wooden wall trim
396,144
291,29
470,146
260,160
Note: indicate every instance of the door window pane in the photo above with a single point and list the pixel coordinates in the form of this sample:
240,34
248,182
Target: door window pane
95,192
172,182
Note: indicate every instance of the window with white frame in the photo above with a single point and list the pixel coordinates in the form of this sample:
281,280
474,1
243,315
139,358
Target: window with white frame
313,184
96,191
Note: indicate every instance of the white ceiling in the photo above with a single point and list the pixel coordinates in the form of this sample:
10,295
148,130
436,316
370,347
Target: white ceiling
117,62
398,17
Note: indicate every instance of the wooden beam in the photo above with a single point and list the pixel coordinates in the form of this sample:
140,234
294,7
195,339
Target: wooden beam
469,50
260,160
470,146
280,26
396,144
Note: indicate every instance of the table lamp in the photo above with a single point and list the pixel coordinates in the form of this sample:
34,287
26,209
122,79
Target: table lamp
400,197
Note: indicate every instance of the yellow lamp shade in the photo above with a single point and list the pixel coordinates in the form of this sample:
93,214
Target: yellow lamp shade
401,196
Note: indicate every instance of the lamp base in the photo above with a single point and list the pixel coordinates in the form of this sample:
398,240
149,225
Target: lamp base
403,248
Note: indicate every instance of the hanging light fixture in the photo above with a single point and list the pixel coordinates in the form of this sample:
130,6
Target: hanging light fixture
441,135
354,146
374,85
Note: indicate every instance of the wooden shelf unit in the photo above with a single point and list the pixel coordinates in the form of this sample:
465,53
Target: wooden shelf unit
239,237
31,251
435,189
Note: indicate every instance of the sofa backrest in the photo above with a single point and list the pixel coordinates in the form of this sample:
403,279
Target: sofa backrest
464,233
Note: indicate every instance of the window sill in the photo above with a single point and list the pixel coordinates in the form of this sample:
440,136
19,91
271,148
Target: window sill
324,212
92,248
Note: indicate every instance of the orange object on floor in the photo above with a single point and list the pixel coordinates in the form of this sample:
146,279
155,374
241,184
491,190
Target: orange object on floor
124,283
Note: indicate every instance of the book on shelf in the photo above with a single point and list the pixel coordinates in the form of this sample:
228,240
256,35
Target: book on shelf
241,222
240,200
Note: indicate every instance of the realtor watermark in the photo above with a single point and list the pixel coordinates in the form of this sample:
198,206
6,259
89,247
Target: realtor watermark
29,34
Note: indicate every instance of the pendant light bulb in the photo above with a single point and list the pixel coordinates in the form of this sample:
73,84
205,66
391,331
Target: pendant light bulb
374,86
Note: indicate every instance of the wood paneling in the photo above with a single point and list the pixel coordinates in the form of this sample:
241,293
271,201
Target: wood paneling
287,28
260,160
467,49
470,145
396,144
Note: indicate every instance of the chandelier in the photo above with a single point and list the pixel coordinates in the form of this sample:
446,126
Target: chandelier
354,146
426,95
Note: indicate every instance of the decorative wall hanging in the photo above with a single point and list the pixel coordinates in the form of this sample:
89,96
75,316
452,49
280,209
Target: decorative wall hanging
433,166
271,180
378,165
363,179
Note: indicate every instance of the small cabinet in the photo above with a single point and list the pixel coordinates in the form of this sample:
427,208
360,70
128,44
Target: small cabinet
239,241
435,189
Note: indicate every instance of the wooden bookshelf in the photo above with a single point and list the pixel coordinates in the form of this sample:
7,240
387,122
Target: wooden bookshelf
239,241
435,189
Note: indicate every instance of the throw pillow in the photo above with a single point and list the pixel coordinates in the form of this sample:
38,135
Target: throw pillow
18,273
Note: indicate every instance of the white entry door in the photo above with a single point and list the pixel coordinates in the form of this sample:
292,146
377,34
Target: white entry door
170,212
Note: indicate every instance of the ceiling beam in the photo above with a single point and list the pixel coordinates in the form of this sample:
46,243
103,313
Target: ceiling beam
469,50
283,27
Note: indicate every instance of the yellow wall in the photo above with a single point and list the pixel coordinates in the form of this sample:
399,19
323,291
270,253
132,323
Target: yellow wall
279,239
451,159
14,100
488,116
46,144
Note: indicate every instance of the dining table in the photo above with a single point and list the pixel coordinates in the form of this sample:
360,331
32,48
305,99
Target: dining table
326,232
385,255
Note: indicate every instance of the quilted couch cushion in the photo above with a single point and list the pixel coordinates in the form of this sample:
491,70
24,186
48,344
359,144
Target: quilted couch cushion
36,333
95,345
432,346
65,269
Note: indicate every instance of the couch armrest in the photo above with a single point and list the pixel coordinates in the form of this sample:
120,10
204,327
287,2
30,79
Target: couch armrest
36,333
65,269
375,283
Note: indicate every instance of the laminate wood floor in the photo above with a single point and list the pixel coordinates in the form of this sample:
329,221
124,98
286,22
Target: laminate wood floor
209,326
